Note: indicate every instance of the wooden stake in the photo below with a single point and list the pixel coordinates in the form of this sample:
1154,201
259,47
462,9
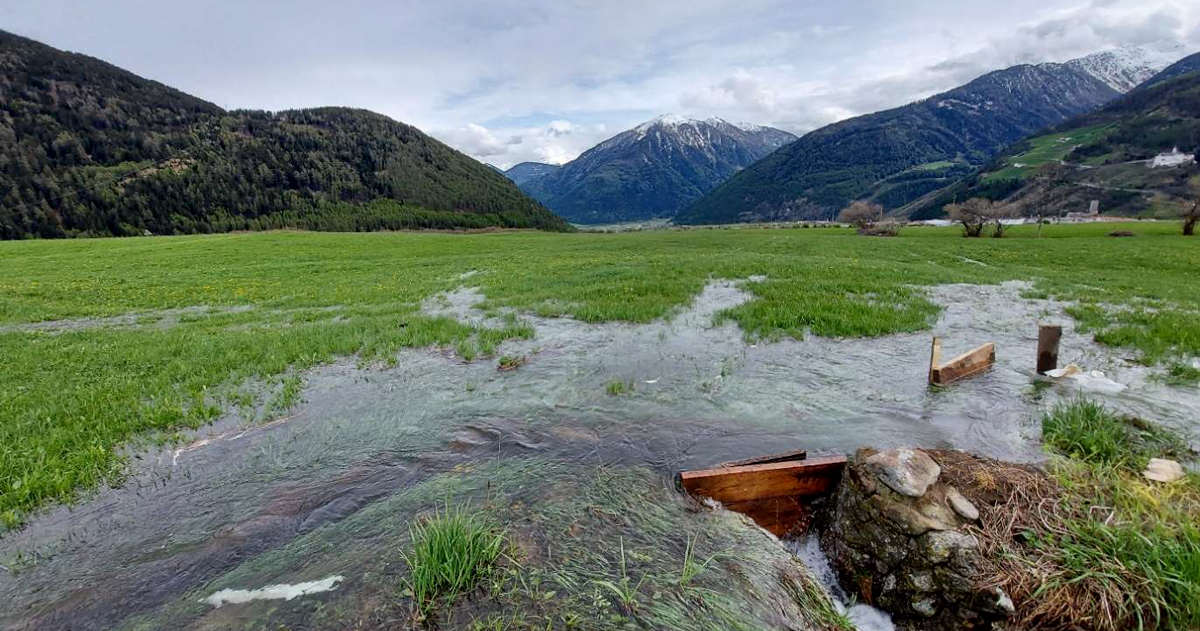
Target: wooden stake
935,357
1047,352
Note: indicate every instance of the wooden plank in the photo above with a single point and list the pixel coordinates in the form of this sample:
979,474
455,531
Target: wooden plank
1047,354
787,456
781,516
804,478
966,365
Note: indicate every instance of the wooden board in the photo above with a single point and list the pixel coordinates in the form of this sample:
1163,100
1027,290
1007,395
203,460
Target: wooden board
780,516
966,365
787,456
803,478
1048,339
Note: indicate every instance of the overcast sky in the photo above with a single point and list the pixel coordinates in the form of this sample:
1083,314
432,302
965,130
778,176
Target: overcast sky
513,80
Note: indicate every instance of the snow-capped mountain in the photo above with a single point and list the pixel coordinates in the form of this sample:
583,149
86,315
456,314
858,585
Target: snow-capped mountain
654,169
1127,67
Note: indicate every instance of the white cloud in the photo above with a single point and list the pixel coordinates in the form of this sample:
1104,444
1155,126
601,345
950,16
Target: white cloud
582,71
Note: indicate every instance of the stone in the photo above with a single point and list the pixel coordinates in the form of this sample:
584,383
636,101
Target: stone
1163,470
894,539
926,607
961,504
1004,602
922,581
940,545
907,518
908,472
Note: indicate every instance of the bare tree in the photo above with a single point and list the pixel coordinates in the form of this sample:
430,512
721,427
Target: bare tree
861,214
1000,212
974,215
1192,217
1048,183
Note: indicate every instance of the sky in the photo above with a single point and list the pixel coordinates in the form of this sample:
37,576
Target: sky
507,81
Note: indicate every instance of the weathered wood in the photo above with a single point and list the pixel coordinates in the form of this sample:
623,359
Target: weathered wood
935,357
804,478
788,456
966,365
1047,357
781,516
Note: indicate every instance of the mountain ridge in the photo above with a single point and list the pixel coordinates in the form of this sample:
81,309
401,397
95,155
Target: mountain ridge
653,169
895,156
91,149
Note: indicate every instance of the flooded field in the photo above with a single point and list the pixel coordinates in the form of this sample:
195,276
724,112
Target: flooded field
300,522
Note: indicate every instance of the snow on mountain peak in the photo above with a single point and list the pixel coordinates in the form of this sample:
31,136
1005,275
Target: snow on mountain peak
1125,67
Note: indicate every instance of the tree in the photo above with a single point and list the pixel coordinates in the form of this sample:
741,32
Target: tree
1192,217
1047,182
861,214
1000,212
974,215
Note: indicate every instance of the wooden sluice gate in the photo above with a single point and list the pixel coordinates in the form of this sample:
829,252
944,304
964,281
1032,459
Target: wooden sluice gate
774,491
777,491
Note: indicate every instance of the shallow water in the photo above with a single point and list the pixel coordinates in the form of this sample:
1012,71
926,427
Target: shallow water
202,518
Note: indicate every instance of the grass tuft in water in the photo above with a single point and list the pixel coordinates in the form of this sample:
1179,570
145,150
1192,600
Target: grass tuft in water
616,387
452,551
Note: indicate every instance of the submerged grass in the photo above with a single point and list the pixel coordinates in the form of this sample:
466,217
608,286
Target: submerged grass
278,303
1095,545
452,552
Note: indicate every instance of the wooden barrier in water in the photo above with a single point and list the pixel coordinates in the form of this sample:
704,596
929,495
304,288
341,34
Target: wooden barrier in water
775,495
1047,353
966,365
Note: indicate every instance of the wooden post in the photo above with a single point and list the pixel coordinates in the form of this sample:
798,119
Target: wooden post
1047,351
935,357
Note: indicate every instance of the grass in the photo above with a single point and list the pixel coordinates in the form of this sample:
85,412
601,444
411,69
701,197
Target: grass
617,387
1091,433
1047,149
452,552
281,302
1095,545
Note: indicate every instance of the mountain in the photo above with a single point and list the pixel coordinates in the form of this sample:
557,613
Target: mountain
526,171
1133,156
89,149
1126,67
1188,64
654,169
896,156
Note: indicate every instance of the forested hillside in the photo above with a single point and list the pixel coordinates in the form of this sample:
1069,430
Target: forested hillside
1108,156
895,156
88,149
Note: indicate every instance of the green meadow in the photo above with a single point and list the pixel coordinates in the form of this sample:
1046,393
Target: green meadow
1047,149
142,338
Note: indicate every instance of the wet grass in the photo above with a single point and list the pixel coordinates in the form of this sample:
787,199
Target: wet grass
1098,546
452,551
616,387
586,548
70,400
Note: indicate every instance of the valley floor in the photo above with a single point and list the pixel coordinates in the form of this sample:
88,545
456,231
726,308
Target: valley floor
351,385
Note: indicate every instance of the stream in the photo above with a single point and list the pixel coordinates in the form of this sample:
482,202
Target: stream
245,521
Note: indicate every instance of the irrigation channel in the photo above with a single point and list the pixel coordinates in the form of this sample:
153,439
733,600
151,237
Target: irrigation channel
300,523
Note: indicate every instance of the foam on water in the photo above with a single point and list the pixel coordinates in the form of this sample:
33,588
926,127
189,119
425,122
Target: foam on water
282,591
864,617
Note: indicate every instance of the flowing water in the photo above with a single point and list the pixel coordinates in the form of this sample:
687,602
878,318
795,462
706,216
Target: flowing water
312,508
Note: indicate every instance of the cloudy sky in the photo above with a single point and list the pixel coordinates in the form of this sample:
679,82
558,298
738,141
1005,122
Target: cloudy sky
514,80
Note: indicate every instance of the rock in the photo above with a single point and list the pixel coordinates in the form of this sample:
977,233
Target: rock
939,546
906,471
926,607
1162,470
896,539
961,504
1004,602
